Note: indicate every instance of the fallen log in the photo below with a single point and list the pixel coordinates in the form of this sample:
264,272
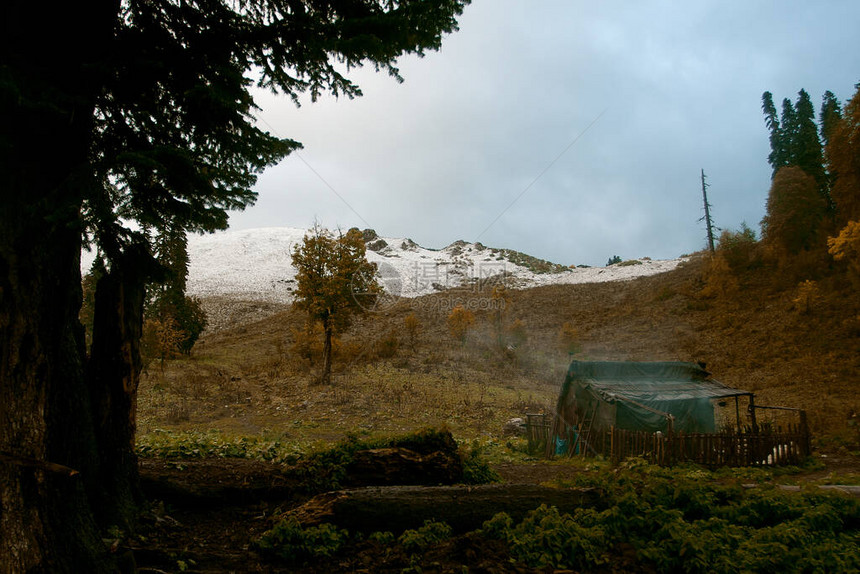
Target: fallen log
401,466
464,508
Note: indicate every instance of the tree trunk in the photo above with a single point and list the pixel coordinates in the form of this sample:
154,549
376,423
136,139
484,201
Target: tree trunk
464,508
45,522
113,375
328,327
48,92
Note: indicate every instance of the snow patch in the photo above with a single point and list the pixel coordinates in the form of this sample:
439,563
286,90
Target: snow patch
255,264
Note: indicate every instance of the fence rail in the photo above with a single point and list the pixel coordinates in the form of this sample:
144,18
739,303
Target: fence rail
780,447
771,446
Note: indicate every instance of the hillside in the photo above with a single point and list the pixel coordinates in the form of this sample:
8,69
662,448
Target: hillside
249,390
255,373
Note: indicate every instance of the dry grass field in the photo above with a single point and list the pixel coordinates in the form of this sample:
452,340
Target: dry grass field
253,372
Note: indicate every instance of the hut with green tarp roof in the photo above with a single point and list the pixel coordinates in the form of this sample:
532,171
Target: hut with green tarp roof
597,396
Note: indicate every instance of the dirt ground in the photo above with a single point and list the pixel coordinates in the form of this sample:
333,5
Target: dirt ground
206,513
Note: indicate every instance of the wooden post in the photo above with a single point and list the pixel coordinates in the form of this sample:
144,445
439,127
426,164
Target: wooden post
612,444
752,414
738,412
804,428
707,218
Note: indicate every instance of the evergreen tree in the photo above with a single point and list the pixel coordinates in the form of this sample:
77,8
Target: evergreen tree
788,132
808,154
166,298
777,157
794,138
143,116
830,117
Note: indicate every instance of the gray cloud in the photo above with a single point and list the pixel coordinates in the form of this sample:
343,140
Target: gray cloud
441,156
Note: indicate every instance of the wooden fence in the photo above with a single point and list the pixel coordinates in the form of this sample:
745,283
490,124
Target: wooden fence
538,427
766,446
777,447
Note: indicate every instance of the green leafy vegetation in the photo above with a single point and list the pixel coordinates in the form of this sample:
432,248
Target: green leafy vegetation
317,469
205,444
686,520
476,468
422,538
292,543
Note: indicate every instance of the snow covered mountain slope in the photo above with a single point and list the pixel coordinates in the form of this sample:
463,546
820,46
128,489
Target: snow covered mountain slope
255,264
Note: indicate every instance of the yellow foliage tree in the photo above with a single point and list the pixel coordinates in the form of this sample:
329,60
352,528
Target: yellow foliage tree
335,282
413,327
460,321
518,333
795,211
719,279
843,155
806,296
161,339
846,246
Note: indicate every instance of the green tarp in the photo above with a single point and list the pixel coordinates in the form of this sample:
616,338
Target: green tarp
639,395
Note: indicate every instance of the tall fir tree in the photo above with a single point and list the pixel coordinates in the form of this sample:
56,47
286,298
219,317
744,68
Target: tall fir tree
166,298
829,118
808,154
788,132
777,157
116,116
795,140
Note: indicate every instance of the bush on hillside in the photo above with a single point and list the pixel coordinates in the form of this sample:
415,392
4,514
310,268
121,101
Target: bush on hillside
739,248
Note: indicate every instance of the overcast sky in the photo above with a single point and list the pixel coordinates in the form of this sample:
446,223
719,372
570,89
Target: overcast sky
570,130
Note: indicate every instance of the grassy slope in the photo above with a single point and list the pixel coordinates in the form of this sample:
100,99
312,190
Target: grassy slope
246,379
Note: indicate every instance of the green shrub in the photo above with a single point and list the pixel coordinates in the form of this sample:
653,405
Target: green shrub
419,540
689,520
740,248
386,346
476,470
290,542
546,538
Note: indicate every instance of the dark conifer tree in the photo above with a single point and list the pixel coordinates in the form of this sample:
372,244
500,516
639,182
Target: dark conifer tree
788,133
794,138
167,298
807,153
144,114
831,115
777,157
